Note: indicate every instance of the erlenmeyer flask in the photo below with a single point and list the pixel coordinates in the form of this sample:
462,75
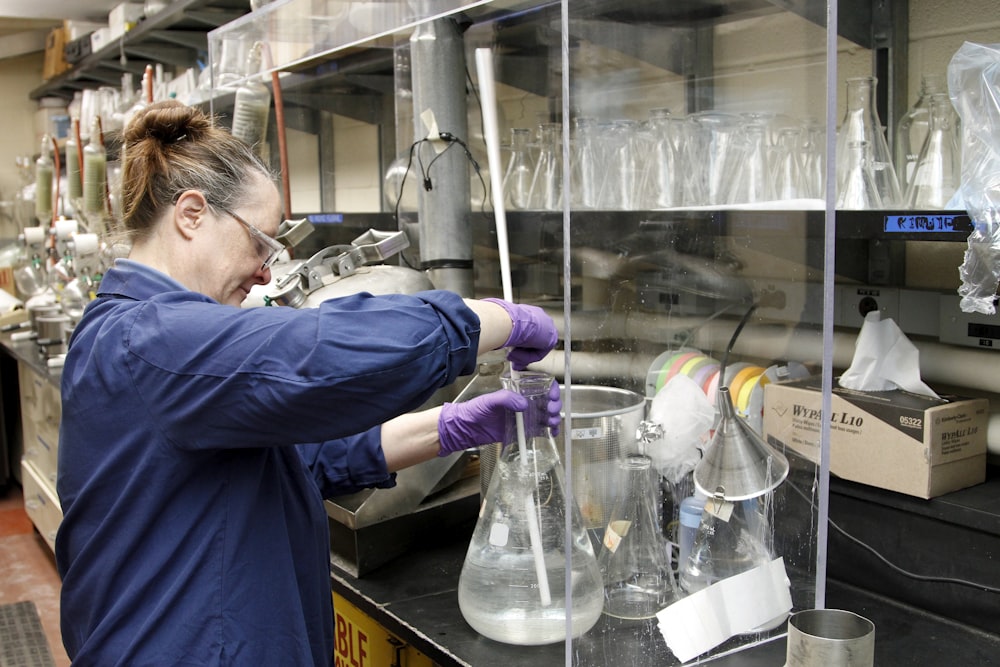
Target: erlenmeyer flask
586,164
713,157
752,182
938,171
634,561
619,157
546,183
858,191
664,187
912,129
733,537
789,170
517,177
513,583
861,123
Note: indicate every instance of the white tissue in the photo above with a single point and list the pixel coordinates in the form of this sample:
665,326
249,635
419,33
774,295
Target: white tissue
685,414
884,359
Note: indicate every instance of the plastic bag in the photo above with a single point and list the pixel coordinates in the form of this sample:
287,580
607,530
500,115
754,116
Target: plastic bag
974,88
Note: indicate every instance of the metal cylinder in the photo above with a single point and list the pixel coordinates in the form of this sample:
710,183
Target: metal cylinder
830,638
437,59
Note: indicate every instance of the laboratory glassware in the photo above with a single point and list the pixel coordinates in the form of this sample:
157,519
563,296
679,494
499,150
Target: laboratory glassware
788,178
664,183
861,123
913,127
858,191
634,557
517,177
546,183
752,182
74,184
513,583
252,104
95,178
44,173
938,171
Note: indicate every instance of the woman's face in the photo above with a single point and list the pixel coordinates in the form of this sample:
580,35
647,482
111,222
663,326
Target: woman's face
242,250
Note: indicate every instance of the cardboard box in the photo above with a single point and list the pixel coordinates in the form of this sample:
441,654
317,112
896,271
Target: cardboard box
124,17
894,440
55,63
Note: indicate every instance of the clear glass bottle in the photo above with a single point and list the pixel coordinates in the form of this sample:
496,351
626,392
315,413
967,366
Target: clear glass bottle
252,104
912,129
95,179
512,588
44,174
634,556
938,171
858,190
546,183
517,176
861,123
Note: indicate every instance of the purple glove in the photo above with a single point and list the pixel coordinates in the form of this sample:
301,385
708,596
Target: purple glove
482,420
532,336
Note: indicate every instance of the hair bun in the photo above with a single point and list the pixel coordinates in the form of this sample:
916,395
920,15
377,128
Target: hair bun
166,122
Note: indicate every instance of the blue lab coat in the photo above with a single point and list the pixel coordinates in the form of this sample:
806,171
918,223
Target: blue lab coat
194,531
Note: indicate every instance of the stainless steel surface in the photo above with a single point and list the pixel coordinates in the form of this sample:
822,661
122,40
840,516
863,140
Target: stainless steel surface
830,638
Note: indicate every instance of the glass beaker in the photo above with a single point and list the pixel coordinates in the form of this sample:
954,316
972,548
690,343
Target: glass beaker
513,583
634,560
858,190
938,171
546,182
912,129
861,123
517,177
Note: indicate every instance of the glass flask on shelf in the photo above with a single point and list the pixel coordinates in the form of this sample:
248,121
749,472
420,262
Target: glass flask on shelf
713,156
95,179
752,183
517,176
44,174
252,104
858,191
664,185
620,166
938,170
512,588
789,171
861,123
546,182
584,174
634,556
913,127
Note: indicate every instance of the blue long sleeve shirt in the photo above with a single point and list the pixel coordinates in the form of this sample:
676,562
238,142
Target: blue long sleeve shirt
194,531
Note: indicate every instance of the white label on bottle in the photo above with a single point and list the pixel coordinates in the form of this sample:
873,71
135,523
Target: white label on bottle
614,533
590,433
719,508
499,532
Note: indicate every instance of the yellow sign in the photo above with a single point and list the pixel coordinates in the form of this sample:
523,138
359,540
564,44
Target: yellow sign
361,642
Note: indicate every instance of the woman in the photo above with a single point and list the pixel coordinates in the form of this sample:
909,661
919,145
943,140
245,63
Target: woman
198,439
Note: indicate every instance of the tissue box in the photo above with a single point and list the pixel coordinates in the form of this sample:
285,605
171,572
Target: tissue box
895,440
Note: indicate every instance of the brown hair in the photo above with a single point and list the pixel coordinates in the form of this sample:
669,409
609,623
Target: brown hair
170,147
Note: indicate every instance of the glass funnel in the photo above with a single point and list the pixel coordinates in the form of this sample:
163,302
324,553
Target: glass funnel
634,561
512,588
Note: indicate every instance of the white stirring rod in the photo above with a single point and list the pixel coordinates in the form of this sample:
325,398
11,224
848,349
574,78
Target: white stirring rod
491,133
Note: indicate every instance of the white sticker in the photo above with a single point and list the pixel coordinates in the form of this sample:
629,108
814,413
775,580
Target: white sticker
499,532
591,433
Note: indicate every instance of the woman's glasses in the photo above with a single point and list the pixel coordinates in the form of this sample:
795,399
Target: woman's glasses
269,248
